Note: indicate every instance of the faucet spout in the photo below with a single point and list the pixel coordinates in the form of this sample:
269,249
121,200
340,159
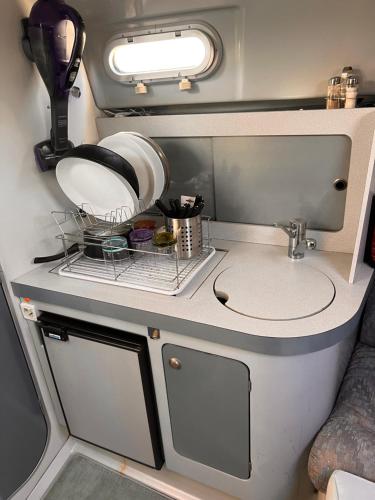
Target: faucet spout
287,229
296,230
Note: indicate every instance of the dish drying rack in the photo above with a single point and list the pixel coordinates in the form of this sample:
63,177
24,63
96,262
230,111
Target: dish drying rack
156,271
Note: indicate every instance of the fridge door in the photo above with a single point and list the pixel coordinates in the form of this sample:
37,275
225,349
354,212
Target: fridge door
23,429
104,383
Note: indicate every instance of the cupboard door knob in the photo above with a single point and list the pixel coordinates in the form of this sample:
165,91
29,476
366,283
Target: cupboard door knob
175,363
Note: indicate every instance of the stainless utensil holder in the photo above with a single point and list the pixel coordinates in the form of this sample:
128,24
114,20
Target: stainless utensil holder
188,233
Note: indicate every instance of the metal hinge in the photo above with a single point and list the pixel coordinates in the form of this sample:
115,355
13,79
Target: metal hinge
250,469
250,385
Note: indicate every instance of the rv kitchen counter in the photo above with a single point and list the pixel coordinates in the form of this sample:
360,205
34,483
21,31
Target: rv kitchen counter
256,371
198,313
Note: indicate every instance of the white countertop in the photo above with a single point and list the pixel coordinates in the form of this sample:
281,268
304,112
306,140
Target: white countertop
200,307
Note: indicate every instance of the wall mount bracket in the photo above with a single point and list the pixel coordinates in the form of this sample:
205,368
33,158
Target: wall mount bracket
53,37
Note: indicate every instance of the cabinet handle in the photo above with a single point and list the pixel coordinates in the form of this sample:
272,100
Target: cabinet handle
175,363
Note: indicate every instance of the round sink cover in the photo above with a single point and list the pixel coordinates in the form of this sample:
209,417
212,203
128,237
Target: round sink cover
276,291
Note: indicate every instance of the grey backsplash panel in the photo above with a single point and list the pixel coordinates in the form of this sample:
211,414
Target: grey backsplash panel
191,165
263,180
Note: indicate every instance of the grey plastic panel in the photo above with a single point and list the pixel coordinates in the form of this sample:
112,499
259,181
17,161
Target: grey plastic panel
263,180
23,430
102,396
191,165
209,407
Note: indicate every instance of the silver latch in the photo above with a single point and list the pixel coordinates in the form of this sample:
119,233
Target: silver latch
175,363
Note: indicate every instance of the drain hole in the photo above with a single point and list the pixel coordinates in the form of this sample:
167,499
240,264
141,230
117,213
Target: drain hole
222,297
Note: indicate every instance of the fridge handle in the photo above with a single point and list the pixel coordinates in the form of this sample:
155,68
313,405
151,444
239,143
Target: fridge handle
53,332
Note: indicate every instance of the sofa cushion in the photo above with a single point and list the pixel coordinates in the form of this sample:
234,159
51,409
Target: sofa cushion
347,439
367,335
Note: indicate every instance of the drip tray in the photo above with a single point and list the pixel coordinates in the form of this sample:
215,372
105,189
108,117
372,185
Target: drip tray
274,291
152,272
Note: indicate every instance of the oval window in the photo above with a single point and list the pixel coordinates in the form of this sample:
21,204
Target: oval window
169,55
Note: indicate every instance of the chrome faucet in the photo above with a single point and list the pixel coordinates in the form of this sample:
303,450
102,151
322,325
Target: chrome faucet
297,238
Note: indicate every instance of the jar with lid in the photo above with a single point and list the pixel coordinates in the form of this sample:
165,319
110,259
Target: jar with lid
346,73
141,239
145,224
164,242
334,93
115,249
351,92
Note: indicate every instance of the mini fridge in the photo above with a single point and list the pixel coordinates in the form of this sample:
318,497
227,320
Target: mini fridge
104,382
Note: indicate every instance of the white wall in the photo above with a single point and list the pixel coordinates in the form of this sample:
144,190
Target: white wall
272,49
27,195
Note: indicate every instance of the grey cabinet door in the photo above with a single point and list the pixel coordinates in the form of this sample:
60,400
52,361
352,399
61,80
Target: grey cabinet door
209,407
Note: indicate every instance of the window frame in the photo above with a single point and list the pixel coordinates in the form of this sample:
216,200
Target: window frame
204,32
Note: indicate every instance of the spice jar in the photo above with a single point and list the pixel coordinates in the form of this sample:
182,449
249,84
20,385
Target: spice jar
351,92
346,73
334,93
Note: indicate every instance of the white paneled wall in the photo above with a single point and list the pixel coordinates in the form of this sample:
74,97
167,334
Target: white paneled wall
27,195
272,49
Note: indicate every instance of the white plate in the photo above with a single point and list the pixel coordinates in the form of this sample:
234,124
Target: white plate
124,145
164,161
156,164
105,191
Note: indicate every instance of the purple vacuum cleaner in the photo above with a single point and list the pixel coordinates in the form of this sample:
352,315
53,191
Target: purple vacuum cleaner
54,38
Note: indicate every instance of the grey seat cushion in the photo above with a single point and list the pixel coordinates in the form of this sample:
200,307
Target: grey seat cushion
368,325
347,439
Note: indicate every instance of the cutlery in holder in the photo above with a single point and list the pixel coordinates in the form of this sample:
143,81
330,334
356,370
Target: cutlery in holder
188,233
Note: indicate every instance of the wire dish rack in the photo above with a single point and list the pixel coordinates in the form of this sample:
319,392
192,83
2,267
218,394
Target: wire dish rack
156,270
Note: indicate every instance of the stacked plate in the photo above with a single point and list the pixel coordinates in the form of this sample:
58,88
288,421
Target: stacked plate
120,177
